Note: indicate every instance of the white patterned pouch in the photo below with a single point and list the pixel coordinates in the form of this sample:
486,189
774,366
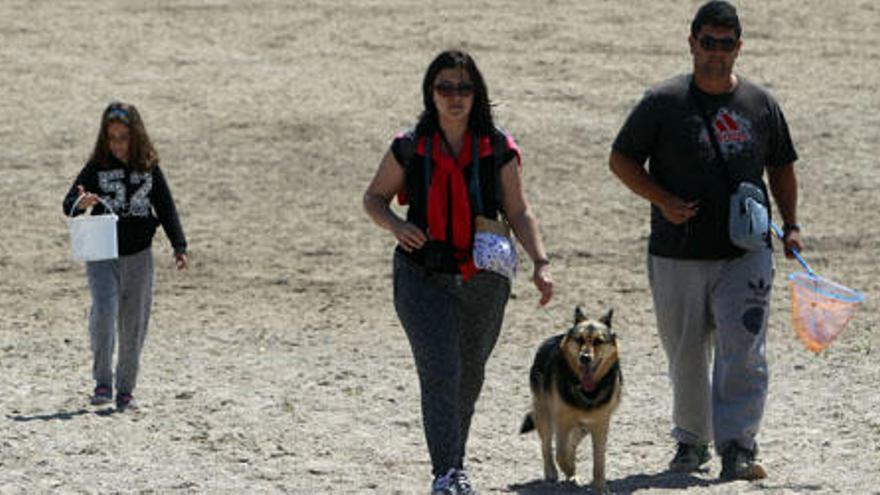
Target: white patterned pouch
494,249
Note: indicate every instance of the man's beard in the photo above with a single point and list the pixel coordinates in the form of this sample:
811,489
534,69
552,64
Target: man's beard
715,70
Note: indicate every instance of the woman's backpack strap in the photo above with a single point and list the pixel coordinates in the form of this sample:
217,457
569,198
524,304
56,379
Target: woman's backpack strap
499,148
406,146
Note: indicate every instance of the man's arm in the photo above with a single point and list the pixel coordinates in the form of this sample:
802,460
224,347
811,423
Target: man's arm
636,178
783,186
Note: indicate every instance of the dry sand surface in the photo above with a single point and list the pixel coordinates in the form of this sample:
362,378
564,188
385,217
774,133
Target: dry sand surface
276,362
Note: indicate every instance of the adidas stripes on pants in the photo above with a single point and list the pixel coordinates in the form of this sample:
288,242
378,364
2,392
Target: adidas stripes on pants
720,308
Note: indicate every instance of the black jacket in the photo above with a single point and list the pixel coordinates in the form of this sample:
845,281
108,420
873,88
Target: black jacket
141,200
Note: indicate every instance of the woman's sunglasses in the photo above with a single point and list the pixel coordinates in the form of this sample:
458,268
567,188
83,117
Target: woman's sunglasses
711,43
448,89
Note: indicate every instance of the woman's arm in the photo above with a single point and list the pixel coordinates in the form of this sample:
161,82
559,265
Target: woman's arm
388,181
525,226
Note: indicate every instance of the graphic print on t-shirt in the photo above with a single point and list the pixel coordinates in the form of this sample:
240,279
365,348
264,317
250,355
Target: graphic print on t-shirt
113,185
139,203
733,132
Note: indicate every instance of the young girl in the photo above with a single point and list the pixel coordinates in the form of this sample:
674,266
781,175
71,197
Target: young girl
124,174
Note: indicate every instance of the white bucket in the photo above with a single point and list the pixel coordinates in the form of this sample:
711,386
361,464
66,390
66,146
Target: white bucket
93,237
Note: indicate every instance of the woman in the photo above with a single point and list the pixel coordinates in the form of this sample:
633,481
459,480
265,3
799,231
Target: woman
123,174
451,311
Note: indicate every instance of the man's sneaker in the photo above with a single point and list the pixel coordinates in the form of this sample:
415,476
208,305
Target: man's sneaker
102,395
446,484
738,463
125,401
463,483
689,458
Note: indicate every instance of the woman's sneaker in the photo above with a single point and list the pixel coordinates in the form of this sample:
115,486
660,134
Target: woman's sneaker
446,484
102,395
689,458
454,482
463,483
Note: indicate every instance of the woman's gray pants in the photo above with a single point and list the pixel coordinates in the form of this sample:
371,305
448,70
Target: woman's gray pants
452,328
122,293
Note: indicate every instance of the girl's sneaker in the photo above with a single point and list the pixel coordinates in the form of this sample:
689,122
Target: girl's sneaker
125,401
103,395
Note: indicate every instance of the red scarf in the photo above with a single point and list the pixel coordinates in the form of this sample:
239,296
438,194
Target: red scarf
449,201
447,182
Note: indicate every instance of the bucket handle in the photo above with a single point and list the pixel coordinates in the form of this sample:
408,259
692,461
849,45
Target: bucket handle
794,251
103,202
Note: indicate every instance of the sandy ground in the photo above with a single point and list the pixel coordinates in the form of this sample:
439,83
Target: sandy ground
276,363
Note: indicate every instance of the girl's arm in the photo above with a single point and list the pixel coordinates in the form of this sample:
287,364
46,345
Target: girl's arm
86,182
166,210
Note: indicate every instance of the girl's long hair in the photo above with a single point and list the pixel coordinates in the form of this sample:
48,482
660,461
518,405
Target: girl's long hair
142,157
480,120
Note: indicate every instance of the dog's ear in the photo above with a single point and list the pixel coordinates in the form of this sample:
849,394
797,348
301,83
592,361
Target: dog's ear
606,320
579,315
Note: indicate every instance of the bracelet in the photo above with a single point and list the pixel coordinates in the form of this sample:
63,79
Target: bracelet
791,227
541,262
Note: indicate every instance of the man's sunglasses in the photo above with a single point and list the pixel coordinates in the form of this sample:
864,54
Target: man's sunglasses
711,43
447,89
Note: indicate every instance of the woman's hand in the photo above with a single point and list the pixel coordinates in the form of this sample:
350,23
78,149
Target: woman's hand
390,180
543,281
181,261
409,236
85,200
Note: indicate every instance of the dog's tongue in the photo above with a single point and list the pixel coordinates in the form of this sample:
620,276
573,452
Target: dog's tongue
587,382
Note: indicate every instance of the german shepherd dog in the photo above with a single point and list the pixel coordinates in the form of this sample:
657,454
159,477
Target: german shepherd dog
576,383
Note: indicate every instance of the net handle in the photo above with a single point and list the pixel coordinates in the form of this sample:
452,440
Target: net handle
794,251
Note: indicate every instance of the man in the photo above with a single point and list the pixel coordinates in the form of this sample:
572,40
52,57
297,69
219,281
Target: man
710,295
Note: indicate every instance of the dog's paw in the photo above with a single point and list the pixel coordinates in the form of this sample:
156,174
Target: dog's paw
600,487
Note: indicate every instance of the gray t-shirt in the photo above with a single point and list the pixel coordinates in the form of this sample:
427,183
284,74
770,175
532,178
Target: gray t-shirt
667,130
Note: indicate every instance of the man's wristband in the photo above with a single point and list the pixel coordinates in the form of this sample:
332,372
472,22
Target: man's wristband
790,227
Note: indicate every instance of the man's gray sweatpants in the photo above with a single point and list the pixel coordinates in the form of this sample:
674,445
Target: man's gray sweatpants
122,293
723,306
452,328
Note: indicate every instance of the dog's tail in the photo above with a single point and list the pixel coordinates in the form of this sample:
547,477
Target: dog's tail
528,424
